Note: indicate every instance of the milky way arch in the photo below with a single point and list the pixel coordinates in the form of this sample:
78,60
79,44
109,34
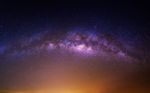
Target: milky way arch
81,43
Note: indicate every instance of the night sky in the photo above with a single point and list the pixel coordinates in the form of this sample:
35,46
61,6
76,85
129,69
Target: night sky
74,47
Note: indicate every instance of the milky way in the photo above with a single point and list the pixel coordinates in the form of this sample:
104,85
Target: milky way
83,43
